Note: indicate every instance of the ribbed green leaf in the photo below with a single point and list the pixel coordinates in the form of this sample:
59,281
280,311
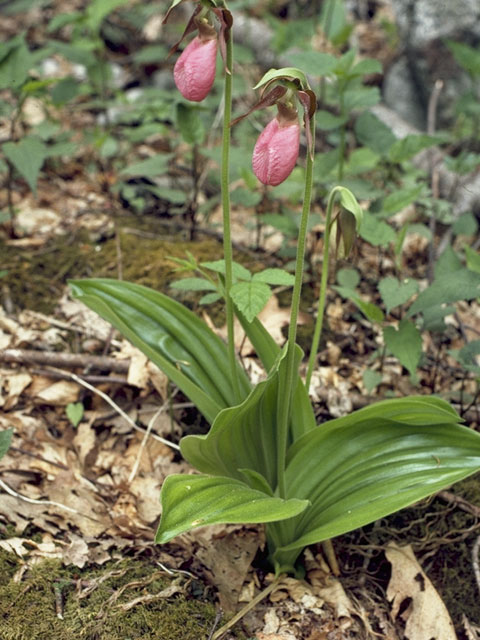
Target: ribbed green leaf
191,501
174,338
302,418
242,437
374,462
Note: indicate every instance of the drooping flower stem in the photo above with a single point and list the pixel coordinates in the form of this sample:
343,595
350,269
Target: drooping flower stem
323,288
285,397
227,239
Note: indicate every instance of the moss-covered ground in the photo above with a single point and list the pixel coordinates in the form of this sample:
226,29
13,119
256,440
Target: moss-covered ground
98,603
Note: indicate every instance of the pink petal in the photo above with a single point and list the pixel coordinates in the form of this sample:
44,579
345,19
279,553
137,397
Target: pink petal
276,152
194,71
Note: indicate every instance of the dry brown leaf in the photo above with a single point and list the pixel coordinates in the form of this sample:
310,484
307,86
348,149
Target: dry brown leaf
228,559
84,440
147,491
426,616
76,553
59,393
15,384
74,491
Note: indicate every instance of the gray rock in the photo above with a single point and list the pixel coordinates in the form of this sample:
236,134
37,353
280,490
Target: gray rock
399,93
421,21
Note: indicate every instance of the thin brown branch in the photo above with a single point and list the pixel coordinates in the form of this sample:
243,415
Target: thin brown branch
66,360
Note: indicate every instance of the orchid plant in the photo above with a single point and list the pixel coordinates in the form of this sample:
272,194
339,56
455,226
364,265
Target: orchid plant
264,459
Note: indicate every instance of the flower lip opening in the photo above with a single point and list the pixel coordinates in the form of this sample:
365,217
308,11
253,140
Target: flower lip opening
277,148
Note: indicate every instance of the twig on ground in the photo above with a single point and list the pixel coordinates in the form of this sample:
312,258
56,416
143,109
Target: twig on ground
64,360
120,411
52,503
463,504
59,465
60,375
251,605
133,473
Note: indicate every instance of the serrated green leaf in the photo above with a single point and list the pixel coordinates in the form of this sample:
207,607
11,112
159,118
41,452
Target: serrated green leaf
462,284
373,133
5,440
409,146
250,297
405,344
189,123
395,293
245,197
466,224
371,379
362,160
348,278
335,23
377,232
473,259
370,311
239,271
173,337
400,199
372,463
154,166
373,313
192,501
15,63
98,10
326,121
209,298
27,156
366,66
361,97
276,277
466,56
193,284
448,262
314,63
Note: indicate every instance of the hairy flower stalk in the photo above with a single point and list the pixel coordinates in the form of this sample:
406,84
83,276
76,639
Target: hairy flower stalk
194,71
276,151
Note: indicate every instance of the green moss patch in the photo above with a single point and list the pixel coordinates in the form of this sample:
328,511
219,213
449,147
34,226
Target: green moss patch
118,601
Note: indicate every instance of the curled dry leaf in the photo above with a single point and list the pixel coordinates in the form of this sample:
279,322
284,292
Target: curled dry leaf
426,617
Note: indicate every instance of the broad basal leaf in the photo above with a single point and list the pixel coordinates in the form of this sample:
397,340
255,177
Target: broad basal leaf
189,502
302,418
243,437
174,338
361,468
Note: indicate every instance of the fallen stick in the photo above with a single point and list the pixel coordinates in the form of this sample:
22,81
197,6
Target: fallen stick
66,360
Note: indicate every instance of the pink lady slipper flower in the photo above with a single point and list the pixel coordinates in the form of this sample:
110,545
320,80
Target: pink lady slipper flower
194,71
276,151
